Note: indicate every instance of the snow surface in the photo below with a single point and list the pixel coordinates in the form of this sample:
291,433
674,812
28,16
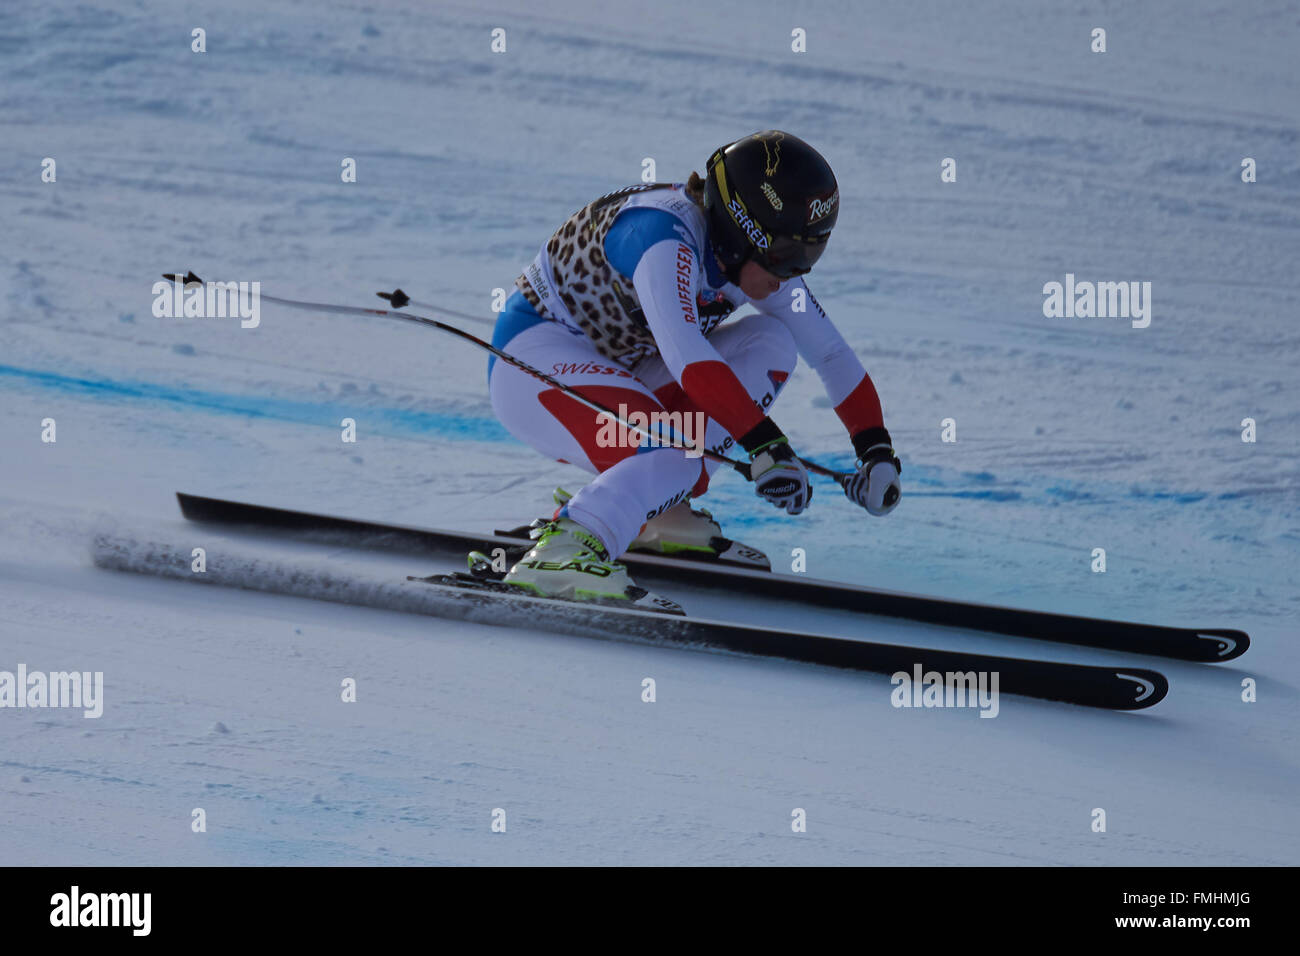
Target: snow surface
1072,433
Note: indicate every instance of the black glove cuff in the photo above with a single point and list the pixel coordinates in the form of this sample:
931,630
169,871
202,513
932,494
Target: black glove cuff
868,437
764,433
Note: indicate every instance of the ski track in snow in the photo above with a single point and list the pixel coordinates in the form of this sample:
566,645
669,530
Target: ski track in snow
1072,434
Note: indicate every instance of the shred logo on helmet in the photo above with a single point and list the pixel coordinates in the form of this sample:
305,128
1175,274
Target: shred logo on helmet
770,198
747,224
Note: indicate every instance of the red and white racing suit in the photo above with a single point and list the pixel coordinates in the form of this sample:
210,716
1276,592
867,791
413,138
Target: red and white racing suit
654,341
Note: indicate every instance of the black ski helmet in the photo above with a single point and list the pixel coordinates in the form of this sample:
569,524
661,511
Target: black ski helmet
772,198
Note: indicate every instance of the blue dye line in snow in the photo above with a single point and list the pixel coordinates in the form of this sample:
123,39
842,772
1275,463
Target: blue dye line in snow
327,413
402,421
986,495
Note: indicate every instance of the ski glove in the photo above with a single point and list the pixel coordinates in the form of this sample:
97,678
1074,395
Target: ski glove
778,475
876,486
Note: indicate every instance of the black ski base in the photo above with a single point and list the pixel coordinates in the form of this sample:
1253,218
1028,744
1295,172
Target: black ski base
1124,688
1206,645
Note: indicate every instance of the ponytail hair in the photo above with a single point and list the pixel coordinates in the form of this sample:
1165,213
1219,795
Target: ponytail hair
695,189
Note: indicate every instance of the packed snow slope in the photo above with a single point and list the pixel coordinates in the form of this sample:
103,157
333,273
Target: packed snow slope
1072,434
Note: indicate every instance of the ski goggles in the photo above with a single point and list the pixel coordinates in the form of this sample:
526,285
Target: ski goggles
786,258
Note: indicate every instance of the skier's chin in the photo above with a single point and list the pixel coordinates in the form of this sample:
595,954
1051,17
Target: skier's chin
759,290
756,282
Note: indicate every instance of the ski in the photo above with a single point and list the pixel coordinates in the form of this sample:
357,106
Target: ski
463,597
1123,688
1207,645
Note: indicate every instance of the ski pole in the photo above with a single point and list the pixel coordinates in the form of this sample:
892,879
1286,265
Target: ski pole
740,466
400,299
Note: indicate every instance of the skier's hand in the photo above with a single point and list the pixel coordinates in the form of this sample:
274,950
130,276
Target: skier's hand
876,486
779,476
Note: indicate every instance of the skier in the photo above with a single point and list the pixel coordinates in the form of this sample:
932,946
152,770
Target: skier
625,304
